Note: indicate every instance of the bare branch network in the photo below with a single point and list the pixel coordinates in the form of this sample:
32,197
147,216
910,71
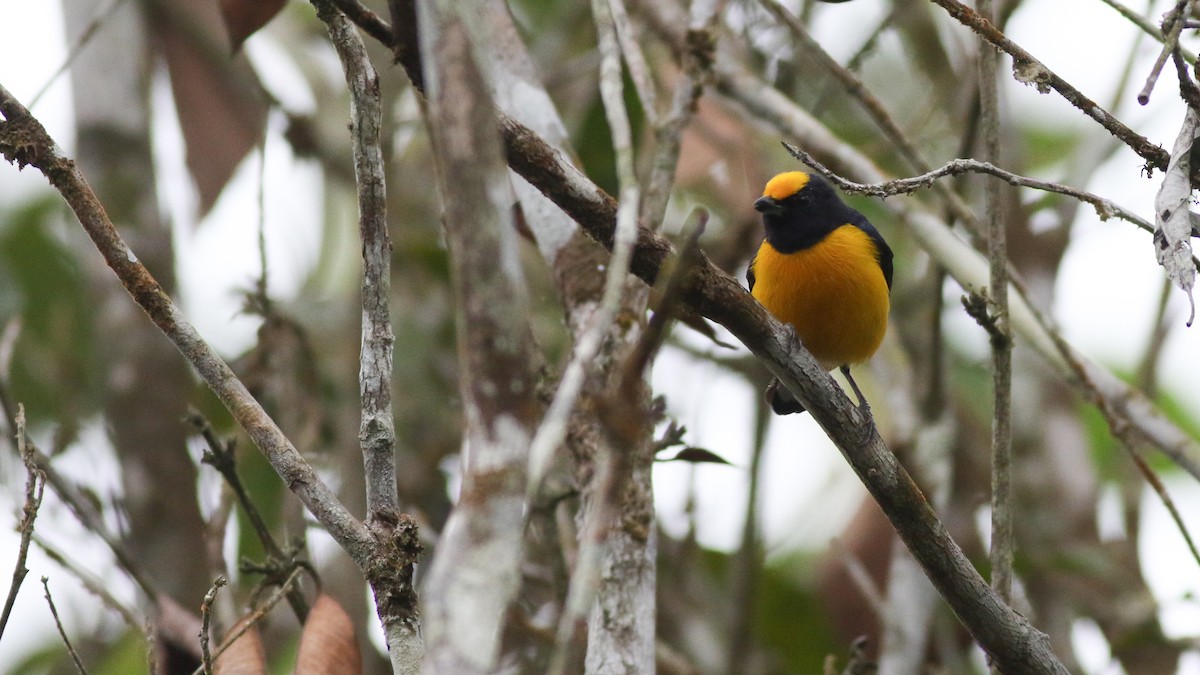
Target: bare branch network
564,462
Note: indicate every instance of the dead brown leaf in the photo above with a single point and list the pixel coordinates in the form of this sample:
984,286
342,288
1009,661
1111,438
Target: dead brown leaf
244,17
219,100
328,645
244,657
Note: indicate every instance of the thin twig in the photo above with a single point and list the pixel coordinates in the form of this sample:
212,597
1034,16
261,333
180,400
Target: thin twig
262,295
1172,26
61,631
670,300
855,62
35,484
585,578
93,584
85,511
85,36
1105,208
1161,490
250,620
1029,70
205,619
1147,370
221,456
852,83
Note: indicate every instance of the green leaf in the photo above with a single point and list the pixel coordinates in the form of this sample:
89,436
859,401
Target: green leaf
54,368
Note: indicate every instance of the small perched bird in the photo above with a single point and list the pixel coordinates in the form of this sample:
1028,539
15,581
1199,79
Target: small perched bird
824,269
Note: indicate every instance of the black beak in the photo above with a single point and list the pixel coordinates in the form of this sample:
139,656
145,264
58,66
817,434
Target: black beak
767,206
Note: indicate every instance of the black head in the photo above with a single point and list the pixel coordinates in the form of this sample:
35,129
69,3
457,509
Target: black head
799,209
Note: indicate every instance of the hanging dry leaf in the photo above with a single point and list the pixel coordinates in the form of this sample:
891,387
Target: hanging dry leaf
219,102
244,657
244,17
328,645
1173,220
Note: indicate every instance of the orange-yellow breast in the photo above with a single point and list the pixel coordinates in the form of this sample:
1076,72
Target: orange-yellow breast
833,293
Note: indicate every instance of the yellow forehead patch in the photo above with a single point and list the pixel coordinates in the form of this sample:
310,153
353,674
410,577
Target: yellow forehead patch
785,185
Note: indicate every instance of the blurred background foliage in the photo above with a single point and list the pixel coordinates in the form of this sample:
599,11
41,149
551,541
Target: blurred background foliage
763,604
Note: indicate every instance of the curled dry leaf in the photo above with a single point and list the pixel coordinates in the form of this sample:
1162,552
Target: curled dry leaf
328,645
1172,218
244,17
245,656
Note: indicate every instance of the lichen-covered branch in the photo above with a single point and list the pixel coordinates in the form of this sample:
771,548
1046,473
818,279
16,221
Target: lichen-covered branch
474,573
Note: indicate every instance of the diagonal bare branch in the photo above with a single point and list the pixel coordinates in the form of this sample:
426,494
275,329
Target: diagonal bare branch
24,141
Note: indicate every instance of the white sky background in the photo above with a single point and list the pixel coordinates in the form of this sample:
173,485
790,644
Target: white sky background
1108,286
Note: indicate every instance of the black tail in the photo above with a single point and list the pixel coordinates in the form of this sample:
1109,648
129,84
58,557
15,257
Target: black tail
781,400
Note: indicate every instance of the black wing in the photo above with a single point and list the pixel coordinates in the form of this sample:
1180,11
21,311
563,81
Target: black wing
881,247
750,272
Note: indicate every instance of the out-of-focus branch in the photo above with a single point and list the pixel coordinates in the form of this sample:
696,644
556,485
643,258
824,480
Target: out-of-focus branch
35,484
668,132
1127,434
24,141
1001,550
1029,70
94,585
62,632
221,456
1147,26
635,60
608,637
84,509
746,569
474,573
553,429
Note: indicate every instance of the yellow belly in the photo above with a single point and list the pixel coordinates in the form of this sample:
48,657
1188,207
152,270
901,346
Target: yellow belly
834,294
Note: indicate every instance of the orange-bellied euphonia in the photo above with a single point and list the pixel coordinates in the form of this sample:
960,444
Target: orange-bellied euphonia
824,269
